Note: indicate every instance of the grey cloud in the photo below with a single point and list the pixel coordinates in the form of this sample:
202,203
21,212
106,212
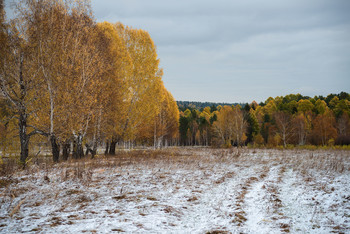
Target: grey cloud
244,50
181,22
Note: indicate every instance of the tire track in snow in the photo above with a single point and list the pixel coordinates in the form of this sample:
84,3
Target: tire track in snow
213,210
255,208
247,191
273,188
262,205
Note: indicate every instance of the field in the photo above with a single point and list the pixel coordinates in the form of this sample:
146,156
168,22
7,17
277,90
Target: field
186,190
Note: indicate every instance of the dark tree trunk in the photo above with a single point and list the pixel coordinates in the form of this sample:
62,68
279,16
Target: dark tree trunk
107,148
112,146
22,122
78,151
97,134
75,151
24,138
93,153
88,149
94,150
55,148
66,150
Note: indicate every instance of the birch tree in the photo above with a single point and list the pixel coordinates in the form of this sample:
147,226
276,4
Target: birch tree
19,84
283,122
113,78
143,83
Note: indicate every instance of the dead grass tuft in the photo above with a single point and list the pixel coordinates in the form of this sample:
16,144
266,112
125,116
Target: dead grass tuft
239,218
285,227
217,232
56,221
152,198
120,197
252,179
9,167
17,207
74,216
83,199
191,199
73,191
38,203
173,211
4,182
222,179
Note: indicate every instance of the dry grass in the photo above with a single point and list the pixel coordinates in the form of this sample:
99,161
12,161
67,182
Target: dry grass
120,197
217,232
17,207
159,169
9,167
81,169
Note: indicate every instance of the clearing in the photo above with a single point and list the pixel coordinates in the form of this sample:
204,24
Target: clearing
186,190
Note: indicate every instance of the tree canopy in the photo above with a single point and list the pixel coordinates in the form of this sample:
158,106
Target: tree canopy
292,119
73,81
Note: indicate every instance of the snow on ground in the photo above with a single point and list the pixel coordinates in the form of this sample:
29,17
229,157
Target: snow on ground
182,191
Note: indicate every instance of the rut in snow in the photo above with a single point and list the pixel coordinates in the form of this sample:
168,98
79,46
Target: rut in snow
259,203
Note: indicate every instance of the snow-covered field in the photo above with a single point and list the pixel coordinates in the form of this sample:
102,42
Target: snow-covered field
183,191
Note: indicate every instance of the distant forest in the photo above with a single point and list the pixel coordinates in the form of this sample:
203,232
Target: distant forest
281,121
191,105
183,105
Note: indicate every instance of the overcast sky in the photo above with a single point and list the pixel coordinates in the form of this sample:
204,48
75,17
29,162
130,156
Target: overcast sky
240,51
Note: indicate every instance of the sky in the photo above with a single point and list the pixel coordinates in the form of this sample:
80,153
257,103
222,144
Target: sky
240,51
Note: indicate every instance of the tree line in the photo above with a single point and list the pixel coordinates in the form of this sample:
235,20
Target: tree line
183,105
285,120
78,83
